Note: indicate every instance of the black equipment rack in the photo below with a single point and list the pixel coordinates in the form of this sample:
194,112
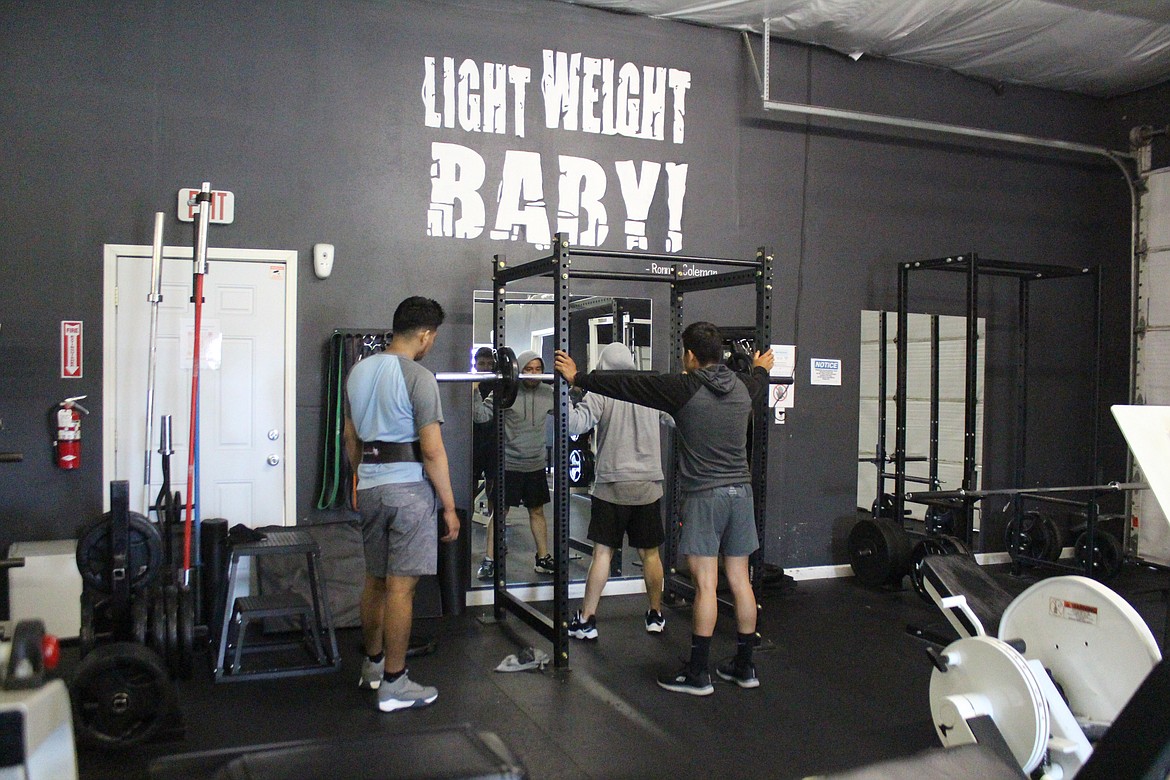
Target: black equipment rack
973,267
559,266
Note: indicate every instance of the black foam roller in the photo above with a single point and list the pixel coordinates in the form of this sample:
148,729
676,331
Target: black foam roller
213,547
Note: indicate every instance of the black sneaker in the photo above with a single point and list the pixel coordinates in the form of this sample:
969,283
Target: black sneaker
742,674
654,622
487,569
544,565
583,629
684,681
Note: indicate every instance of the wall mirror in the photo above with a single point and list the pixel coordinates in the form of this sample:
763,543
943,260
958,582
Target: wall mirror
937,348
594,322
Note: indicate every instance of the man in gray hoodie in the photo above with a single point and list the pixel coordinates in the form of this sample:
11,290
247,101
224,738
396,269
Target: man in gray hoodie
711,406
525,458
625,499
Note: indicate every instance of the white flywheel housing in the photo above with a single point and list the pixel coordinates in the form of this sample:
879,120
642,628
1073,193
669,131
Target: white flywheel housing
986,676
1097,647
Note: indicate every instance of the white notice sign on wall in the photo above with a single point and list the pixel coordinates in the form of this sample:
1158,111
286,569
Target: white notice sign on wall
825,371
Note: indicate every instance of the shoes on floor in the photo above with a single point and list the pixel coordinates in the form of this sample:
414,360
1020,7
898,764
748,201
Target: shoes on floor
487,569
685,681
404,694
371,673
655,622
742,674
545,565
583,629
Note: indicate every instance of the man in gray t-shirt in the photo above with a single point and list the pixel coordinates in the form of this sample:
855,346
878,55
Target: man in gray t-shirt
394,441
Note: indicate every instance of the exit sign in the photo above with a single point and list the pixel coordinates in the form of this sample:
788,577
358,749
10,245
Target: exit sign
223,206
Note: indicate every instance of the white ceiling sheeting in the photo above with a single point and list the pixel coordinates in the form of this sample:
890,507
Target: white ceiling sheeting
1104,48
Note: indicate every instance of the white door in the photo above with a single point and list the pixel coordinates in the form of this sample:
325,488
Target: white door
246,455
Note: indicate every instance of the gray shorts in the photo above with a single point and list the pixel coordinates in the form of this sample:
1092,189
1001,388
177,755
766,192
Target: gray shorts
719,521
400,529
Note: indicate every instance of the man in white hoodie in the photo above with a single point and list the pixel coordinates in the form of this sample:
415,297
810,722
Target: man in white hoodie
627,488
525,458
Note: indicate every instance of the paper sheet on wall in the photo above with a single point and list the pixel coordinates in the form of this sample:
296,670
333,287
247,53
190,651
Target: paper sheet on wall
210,345
782,397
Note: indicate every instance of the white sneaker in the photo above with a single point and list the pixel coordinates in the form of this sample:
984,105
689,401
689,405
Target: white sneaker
404,693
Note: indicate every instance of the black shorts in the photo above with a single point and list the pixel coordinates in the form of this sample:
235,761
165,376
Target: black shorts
608,523
526,488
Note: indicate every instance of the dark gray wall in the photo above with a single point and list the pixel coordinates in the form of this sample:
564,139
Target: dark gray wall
311,114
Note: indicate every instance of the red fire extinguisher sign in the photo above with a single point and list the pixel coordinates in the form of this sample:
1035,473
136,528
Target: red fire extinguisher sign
71,364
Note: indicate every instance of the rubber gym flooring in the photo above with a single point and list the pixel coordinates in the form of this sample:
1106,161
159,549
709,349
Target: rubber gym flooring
843,684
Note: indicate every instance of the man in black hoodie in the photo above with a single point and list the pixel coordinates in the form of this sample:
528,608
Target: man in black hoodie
712,406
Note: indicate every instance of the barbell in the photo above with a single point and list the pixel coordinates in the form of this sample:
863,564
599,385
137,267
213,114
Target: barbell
508,376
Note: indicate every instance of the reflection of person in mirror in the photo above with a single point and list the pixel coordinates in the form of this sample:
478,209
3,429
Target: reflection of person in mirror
712,407
394,442
627,488
525,458
483,440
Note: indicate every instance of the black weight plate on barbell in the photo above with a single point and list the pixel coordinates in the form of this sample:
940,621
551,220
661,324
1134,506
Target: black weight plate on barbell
87,634
509,384
171,599
1107,554
1054,538
879,551
883,507
943,544
1026,535
939,521
121,695
953,545
144,552
921,549
186,634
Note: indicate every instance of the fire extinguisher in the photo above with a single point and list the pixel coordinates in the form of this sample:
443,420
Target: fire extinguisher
68,441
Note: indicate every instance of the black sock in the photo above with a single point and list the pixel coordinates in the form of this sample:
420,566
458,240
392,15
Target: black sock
377,659
392,676
700,653
744,643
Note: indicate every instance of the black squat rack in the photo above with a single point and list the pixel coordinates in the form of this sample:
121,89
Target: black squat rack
1031,536
559,266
